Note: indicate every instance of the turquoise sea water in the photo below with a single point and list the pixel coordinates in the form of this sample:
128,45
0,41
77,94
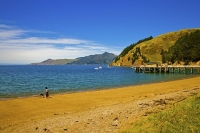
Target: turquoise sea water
25,80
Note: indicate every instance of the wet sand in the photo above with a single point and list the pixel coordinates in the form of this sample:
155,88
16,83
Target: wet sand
94,111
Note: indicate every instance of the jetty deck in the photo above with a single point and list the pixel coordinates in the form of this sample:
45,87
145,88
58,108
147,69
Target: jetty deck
167,69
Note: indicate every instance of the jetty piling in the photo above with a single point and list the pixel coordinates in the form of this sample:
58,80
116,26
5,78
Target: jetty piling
166,69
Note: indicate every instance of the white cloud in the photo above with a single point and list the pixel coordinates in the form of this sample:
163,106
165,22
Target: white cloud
3,26
18,46
5,34
36,40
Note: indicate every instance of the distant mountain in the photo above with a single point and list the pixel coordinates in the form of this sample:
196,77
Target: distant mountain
104,58
55,62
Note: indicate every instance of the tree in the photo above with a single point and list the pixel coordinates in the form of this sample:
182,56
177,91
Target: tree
185,49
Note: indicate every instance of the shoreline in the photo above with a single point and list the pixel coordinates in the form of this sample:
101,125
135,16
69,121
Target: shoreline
67,111
99,89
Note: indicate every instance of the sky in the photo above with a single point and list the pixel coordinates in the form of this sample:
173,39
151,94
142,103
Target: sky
35,30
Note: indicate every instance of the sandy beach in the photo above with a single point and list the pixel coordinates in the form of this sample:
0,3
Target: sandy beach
94,111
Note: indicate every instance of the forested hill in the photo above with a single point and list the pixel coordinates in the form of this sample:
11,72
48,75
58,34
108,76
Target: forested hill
155,49
105,58
55,62
186,49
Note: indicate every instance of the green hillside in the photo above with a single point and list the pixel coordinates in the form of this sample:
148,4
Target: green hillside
105,58
55,62
186,50
150,50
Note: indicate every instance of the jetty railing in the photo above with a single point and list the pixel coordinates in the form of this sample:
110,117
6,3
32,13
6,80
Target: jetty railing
167,69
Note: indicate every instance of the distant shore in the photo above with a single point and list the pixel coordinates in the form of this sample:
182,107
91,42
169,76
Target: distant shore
97,111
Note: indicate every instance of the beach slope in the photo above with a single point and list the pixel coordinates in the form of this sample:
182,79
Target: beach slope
94,111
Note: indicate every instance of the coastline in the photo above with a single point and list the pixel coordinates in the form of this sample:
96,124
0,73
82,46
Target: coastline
37,113
98,89
29,81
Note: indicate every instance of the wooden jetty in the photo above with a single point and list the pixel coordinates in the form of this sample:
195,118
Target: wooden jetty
166,69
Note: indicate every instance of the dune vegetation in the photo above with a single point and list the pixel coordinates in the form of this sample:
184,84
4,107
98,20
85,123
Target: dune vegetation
184,117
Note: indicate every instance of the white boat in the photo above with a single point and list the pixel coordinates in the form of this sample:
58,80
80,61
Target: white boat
100,67
96,68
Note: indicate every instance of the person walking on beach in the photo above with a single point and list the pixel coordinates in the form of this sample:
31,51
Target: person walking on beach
46,92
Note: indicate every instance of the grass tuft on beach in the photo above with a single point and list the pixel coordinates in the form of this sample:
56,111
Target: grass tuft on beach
184,117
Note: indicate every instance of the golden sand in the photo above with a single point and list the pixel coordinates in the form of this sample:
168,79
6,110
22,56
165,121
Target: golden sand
36,110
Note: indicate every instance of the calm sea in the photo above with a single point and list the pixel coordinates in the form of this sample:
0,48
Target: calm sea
25,80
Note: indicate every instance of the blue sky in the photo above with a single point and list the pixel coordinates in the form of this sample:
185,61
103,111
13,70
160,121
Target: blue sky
35,30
